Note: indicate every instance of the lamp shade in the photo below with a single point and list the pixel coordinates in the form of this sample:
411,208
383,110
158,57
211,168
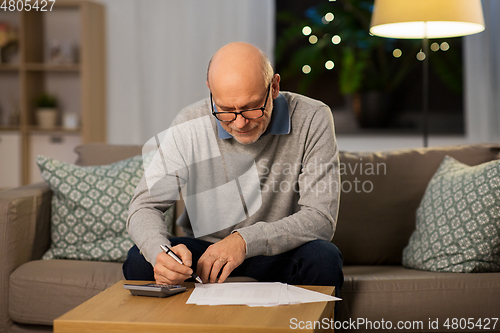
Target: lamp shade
426,18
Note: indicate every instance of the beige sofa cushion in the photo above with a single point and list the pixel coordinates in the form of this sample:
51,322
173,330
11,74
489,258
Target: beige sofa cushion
42,290
101,153
395,293
373,227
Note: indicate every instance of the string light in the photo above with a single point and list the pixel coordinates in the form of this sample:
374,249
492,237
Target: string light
445,46
329,17
397,53
421,56
306,30
435,47
313,39
306,69
336,39
329,64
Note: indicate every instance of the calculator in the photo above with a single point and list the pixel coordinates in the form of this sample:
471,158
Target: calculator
154,290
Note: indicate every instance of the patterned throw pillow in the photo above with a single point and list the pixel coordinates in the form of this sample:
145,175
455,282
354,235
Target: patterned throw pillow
90,208
458,221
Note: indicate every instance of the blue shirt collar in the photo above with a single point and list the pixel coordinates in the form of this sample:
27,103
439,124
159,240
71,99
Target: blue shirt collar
280,120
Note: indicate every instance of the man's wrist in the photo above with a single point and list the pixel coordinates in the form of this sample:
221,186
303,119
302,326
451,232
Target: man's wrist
243,239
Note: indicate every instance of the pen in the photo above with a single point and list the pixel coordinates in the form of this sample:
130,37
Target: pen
171,253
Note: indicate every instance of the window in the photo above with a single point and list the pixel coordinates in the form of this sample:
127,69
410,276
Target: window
324,50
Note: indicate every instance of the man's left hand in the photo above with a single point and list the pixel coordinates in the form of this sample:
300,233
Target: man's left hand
226,254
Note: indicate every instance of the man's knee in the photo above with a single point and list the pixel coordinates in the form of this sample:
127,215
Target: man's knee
321,251
136,267
325,260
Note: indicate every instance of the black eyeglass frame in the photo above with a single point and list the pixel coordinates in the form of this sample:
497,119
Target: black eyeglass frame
236,113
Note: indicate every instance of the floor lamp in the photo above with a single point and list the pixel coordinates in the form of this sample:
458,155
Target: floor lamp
424,19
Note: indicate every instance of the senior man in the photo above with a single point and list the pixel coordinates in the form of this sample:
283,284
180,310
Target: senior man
292,141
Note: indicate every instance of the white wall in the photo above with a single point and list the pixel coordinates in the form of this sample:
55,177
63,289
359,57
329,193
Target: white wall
482,78
381,142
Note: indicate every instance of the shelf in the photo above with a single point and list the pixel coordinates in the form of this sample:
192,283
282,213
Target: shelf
52,67
9,67
79,87
68,4
53,131
9,128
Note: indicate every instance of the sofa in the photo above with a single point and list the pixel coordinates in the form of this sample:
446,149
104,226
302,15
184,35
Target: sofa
381,192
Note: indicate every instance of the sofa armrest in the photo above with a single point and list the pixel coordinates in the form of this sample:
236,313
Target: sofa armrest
24,233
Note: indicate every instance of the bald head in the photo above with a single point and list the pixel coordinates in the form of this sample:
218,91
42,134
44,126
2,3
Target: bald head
239,64
241,79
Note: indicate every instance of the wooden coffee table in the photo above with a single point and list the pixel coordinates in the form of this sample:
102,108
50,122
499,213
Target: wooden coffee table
116,310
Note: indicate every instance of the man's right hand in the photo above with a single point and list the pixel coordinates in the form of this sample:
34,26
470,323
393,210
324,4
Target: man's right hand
169,271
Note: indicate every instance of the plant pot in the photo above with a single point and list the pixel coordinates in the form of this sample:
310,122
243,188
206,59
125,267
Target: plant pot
46,118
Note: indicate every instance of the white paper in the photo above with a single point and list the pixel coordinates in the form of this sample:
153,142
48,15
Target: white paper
235,293
254,294
301,295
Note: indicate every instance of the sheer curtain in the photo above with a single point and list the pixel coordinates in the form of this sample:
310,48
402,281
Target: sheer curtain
158,51
482,78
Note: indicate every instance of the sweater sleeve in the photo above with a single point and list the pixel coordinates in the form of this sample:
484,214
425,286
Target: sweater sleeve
178,150
164,175
319,191
146,222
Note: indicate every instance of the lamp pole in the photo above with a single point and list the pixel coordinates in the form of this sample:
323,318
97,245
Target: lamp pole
397,18
425,91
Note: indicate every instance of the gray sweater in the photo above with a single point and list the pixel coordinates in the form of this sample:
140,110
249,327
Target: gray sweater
298,174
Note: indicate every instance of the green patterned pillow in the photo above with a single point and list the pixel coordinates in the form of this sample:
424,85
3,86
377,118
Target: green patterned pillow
90,208
458,221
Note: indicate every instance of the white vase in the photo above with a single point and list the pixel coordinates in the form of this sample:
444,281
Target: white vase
46,117
70,120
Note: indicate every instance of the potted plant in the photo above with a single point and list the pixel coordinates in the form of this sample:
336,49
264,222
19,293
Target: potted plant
46,112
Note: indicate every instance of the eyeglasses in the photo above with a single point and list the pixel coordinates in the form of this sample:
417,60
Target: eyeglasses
247,114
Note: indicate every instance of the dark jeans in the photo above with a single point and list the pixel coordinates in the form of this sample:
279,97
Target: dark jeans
314,263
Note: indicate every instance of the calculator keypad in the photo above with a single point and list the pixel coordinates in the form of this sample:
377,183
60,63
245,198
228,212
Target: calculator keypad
168,286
